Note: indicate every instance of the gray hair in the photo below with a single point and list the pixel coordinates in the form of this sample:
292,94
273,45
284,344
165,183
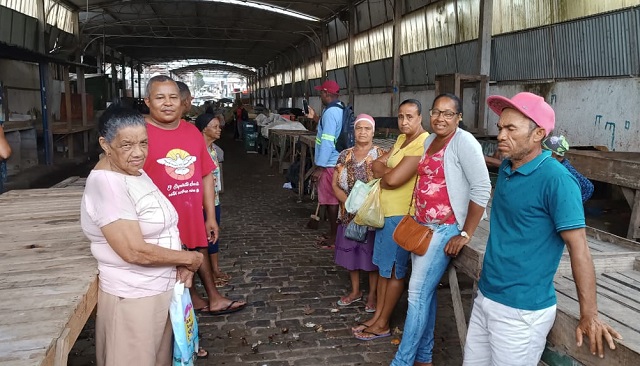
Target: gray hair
117,117
157,79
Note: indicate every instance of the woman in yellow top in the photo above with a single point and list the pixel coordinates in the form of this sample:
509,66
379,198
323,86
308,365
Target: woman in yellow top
397,170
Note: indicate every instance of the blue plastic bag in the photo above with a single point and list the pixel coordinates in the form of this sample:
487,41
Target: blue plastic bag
185,327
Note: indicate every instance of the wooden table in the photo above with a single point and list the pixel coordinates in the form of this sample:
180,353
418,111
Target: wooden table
282,145
62,130
308,147
617,168
48,277
617,266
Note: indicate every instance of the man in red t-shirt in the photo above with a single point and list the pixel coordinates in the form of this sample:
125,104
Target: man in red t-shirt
179,164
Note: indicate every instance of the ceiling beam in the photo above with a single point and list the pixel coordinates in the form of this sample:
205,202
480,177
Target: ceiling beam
151,36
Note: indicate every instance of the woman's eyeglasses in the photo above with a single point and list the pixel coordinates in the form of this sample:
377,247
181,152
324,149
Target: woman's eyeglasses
448,115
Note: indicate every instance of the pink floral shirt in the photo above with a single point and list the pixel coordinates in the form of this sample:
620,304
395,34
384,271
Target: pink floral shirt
432,199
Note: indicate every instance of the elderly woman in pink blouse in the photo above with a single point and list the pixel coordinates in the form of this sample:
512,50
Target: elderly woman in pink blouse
134,237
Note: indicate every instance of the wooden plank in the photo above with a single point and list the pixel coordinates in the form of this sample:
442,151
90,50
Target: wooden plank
629,195
634,221
62,349
603,262
611,311
49,260
458,310
65,183
562,336
619,168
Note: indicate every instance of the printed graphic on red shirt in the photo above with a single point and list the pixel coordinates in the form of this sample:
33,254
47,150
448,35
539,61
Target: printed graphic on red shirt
179,164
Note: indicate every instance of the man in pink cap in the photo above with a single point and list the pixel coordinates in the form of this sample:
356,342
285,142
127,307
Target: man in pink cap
326,155
536,210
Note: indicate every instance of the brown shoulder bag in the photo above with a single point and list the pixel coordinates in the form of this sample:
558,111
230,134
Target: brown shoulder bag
411,235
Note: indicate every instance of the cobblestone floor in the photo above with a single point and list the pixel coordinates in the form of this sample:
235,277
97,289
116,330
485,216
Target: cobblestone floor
288,284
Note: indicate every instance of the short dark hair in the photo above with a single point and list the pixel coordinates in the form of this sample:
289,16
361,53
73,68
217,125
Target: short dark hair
412,101
157,79
117,117
203,120
184,90
451,96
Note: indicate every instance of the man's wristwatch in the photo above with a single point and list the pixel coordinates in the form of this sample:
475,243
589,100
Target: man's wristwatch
464,234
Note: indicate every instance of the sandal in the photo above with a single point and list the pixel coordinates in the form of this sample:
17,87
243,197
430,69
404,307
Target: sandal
220,283
202,354
224,276
346,300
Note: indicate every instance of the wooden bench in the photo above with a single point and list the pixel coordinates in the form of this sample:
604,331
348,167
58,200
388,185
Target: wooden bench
48,277
614,167
618,288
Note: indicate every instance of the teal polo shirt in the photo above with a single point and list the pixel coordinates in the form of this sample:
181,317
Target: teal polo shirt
531,206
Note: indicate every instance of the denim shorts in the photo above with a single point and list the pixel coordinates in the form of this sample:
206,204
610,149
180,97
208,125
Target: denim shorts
386,253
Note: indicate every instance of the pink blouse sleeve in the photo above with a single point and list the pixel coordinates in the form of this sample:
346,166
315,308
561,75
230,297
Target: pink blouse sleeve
108,200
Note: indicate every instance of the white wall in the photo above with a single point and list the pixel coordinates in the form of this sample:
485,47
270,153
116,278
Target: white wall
375,105
590,112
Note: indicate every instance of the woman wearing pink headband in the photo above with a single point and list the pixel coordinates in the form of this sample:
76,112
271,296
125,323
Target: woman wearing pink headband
356,164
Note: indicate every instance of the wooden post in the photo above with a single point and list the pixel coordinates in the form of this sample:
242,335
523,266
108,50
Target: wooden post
114,77
67,94
293,85
458,311
634,223
124,78
352,32
397,48
132,77
484,59
140,82
323,51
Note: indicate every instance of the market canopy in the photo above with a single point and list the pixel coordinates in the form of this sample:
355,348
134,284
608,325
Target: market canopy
241,32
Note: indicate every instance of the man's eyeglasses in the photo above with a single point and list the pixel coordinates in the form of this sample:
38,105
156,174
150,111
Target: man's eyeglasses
448,115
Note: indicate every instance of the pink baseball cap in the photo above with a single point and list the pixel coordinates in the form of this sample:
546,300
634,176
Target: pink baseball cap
532,106
329,86
367,118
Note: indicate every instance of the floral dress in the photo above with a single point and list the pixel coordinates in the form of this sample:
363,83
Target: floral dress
431,195
350,170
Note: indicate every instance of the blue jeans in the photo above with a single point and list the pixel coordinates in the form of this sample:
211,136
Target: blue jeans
427,270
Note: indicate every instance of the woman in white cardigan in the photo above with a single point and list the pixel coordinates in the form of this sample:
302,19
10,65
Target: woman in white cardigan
451,193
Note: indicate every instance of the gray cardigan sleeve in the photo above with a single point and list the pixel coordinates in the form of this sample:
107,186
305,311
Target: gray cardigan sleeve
474,168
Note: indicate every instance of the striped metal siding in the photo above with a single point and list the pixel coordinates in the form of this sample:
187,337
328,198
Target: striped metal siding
420,68
593,47
18,29
413,69
467,54
522,56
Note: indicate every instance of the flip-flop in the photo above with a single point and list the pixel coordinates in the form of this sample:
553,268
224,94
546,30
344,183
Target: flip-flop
224,276
369,336
369,309
359,328
205,309
228,310
347,303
